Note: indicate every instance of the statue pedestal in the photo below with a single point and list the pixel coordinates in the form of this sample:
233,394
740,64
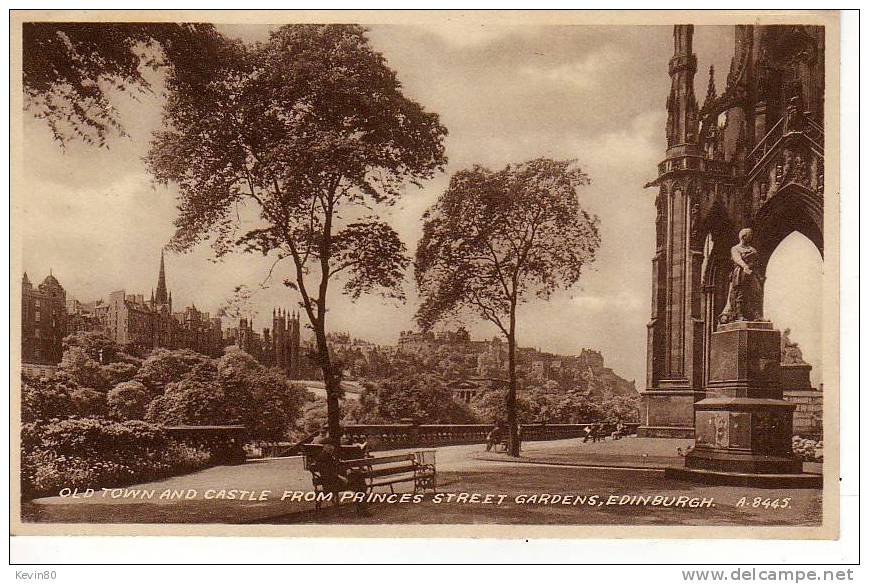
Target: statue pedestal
743,429
746,435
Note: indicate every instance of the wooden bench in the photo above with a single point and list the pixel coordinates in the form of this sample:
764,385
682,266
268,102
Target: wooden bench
388,471
371,472
311,453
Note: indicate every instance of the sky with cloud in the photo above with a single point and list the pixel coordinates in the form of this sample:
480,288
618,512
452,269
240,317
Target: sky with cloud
506,94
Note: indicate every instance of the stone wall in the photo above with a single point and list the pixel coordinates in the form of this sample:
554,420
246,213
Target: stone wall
798,390
809,413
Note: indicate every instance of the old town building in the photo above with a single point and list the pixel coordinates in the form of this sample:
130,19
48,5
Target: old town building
43,321
279,346
130,319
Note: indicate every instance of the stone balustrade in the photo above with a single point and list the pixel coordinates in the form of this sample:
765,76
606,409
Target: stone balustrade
410,435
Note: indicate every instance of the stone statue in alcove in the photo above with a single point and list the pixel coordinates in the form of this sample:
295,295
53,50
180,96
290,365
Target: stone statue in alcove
745,294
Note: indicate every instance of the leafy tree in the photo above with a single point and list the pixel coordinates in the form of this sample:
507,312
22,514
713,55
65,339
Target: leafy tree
190,402
116,373
314,416
43,399
490,406
283,148
128,400
233,390
424,398
82,369
70,69
265,400
563,407
164,366
277,404
88,402
618,407
366,409
98,346
496,237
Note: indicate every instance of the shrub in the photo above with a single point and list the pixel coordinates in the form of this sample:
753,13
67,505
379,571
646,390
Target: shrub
183,458
491,407
88,402
128,400
82,369
808,450
313,415
190,402
232,390
116,373
163,367
43,399
422,397
96,345
96,453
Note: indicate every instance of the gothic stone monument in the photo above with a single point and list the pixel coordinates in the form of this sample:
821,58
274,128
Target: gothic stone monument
751,156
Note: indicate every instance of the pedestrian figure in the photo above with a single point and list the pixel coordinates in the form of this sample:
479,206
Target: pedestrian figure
493,438
322,437
328,464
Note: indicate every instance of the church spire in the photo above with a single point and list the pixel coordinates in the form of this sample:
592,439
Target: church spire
162,296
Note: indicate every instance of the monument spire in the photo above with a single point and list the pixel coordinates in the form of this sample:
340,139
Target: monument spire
681,104
711,92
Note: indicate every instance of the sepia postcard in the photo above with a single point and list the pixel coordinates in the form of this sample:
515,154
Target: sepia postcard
425,274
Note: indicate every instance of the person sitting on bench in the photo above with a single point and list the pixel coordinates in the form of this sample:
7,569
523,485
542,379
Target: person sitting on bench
493,438
354,440
329,464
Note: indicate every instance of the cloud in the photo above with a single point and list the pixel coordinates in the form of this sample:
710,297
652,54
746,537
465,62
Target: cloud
623,300
585,73
461,34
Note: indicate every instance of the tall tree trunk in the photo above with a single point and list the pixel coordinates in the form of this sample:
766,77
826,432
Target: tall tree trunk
330,379
512,425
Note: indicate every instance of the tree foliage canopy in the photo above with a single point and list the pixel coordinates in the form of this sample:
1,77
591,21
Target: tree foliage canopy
72,69
235,389
300,127
284,148
128,400
423,397
495,237
164,366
